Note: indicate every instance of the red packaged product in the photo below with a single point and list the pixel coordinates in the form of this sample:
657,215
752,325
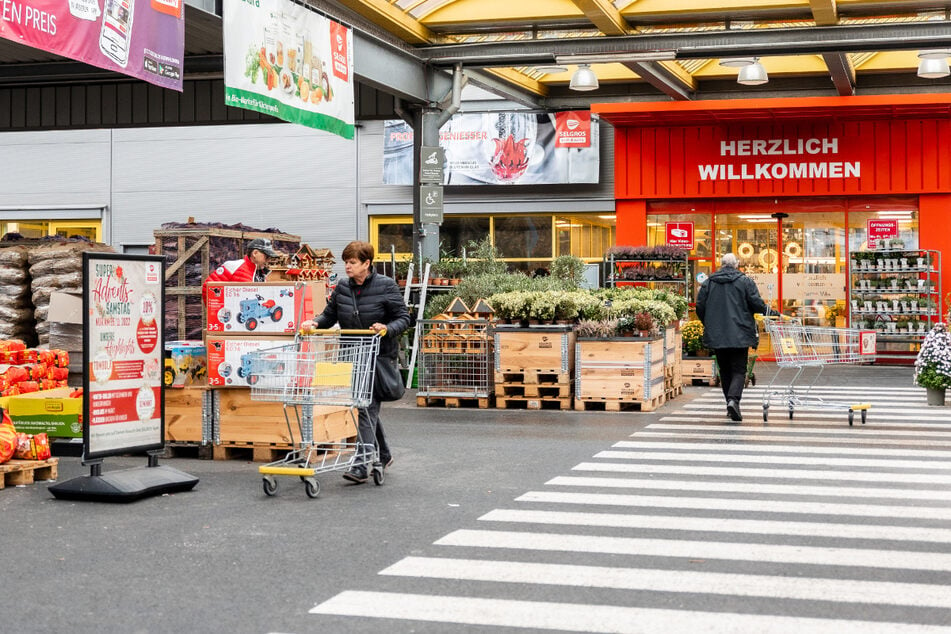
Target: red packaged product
77,393
28,386
48,384
26,356
47,357
62,358
16,374
8,356
41,444
37,371
59,374
25,449
13,390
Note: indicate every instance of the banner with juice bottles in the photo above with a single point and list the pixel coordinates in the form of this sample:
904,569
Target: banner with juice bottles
140,38
284,60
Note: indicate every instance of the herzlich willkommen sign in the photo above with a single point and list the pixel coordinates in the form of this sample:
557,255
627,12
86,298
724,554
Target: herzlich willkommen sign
286,61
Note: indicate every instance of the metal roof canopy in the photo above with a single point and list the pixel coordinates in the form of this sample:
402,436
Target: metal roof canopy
774,110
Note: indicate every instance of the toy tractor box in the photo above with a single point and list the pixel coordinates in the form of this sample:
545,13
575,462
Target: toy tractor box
186,364
264,308
230,358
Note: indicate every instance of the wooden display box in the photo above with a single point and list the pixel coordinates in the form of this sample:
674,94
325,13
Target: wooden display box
185,410
540,350
620,369
241,420
699,368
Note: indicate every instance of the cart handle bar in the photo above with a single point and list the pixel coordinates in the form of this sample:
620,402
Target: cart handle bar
335,331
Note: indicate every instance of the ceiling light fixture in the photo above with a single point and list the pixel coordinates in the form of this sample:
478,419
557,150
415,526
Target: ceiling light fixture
753,74
619,57
737,62
933,67
584,79
551,69
938,53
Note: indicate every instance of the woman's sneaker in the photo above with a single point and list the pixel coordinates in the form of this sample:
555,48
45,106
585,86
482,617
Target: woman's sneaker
357,475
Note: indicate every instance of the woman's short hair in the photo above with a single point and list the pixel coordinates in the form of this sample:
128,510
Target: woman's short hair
729,260
360,250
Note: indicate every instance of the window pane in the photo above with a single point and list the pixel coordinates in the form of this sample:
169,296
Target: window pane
398,235
524,237
457,232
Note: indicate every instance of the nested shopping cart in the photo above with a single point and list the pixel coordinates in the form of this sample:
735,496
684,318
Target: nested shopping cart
325,367
797,347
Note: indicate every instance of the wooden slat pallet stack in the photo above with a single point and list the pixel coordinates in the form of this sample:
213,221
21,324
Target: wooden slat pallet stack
673,363
20,472
699,370
534,368
620,374
483,402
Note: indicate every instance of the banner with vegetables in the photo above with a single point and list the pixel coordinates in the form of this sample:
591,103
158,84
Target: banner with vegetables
284,60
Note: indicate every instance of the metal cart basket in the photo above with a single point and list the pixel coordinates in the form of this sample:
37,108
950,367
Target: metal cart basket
456,358
798,347
330,367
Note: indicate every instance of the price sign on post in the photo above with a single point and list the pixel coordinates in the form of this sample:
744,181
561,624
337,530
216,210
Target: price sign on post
680,234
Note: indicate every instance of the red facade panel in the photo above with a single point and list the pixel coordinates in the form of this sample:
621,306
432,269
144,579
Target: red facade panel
796,158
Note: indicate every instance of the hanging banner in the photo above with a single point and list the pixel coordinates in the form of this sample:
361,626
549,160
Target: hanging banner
124,353
574,129
500,148
286,61
144,39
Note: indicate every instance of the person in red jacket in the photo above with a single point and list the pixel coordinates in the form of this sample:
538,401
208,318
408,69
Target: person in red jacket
250,269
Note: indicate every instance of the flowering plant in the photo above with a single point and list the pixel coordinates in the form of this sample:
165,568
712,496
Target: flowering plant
933,365
692,334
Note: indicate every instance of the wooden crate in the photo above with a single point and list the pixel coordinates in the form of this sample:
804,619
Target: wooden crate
621,369
698,368
241,420
539,350
192,251
187,414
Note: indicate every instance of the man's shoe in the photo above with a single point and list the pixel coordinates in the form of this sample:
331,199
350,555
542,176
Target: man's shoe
386,461
733,409
357,475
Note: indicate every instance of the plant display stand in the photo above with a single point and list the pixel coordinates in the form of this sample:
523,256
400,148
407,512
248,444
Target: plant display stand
620,373
534,367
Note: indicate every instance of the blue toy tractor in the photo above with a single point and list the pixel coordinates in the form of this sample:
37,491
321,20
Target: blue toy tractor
253,310
263,366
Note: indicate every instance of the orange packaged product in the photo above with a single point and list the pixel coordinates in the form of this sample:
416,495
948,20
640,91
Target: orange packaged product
13,390
46,357
26,356
27,387
37,371
16,374
41,444
62,358
58,374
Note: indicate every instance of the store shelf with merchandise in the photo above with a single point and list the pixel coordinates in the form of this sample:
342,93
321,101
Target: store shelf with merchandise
897,293
653,272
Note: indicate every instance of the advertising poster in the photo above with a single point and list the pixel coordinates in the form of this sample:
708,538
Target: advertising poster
144,39
503,148
286,61
124,353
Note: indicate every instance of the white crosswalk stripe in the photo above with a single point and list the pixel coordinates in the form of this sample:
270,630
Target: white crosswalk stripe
697,523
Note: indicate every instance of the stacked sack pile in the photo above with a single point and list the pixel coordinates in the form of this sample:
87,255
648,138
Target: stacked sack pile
16,305
57,266
22,446
30,370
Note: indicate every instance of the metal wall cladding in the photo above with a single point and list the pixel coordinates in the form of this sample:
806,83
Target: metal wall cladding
798,158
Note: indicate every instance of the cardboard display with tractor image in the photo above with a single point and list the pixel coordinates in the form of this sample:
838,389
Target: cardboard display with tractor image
263,308
229,357
186,364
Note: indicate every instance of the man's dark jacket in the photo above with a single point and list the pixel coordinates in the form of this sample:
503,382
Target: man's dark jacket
725,304
378,299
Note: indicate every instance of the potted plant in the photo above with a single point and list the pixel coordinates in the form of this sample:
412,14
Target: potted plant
692,337
568,268
643,323
933,364
597,328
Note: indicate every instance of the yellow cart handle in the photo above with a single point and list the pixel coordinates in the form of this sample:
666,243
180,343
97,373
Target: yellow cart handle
333,331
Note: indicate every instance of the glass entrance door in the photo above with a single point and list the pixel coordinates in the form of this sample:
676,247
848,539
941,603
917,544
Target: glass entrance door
754,238
813,264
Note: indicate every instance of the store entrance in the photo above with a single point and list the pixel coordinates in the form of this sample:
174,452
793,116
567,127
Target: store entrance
798,260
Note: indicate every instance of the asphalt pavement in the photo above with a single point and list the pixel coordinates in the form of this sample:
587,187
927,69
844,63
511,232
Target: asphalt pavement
225,557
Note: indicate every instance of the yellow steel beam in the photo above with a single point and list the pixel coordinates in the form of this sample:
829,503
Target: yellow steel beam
521,80
461,13
392,19
603,15
824,12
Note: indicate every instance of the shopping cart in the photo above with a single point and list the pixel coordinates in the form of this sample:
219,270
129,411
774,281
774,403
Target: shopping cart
325,367
798,347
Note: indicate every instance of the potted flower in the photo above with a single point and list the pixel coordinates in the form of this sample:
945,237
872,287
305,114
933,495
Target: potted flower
933,365
643,323
692,336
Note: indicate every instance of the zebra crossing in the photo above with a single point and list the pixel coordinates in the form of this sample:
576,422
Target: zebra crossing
698,523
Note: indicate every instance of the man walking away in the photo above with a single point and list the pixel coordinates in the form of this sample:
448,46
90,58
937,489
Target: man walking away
726,303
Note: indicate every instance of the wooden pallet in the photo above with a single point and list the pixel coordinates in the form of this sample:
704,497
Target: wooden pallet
533,390
610,405
16,472
521,402
535,377
673,392
187,450
454,401
690,380
250,452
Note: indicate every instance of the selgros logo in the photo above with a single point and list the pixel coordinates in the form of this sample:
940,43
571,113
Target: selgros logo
573,129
